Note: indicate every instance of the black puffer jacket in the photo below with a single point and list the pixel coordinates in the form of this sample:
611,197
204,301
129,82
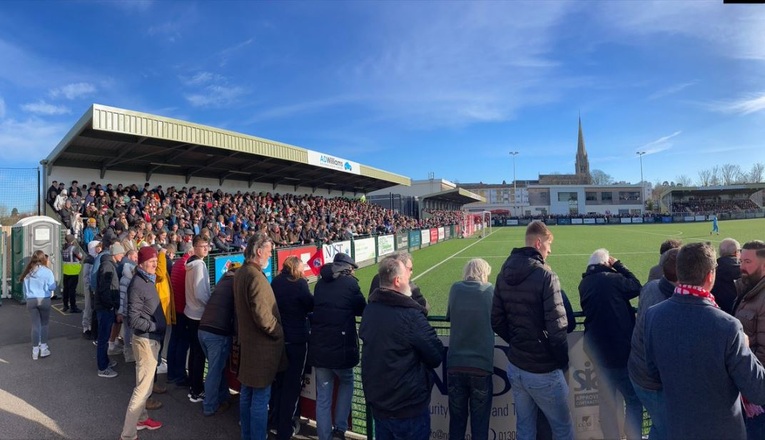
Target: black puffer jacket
219,315
145,315
333,342
400,350
107,295
528,313
724,290
605,293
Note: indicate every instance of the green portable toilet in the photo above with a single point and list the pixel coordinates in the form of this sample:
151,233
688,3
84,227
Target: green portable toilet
30,234
4,288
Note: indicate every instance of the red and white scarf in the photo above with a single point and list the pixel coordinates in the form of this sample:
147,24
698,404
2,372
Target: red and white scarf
750,410
698,291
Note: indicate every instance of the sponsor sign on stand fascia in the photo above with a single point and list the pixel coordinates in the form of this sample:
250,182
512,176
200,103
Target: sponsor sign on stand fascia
332,162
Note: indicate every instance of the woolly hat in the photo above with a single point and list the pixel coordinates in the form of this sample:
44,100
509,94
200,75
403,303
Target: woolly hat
116,249
69,238
146,253
345,258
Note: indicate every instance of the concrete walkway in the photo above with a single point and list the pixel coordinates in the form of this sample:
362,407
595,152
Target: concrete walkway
61,396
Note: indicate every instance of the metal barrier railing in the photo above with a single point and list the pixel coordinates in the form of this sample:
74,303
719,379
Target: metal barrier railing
361,415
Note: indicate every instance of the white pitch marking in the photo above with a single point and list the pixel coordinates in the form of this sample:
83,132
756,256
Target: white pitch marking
452,256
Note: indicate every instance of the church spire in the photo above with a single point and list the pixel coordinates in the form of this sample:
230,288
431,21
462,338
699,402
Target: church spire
582,163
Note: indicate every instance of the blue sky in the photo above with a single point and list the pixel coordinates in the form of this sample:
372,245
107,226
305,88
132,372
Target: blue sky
409,87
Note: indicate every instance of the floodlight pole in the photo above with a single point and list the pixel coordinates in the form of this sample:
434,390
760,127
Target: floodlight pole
515,189
642,182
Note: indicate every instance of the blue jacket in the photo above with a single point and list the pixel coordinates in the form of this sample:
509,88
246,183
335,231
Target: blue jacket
39,283
605,294
698,354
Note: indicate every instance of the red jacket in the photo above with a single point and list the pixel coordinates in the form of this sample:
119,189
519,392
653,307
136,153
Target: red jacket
178,282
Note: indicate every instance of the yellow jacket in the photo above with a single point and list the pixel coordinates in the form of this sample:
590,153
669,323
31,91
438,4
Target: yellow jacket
164,289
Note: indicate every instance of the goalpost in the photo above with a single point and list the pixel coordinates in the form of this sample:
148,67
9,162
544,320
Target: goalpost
486,223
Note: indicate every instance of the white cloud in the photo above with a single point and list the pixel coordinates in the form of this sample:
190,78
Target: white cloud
27,142
43,108
216,96
732,30
419,67
661,144
671,90
201,78
73,91
744,106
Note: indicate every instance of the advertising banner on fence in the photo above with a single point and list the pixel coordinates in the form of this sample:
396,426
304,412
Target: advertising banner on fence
589,221
700,218
441,233
511,222
414,239
433,236
223,263
583,396
335,248
364,249
303,252
386,244
448,232
576,221
424,237
600,220
637,219
626,220
402,241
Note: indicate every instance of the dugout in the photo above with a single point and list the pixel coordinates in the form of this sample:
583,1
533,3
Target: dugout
109,144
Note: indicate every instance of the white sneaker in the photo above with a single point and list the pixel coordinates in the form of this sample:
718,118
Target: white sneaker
35,352
44,351
113,349
108,373
162,368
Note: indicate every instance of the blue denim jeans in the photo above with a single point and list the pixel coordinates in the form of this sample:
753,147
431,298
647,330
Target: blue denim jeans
325,383
545,391
653,401
610,382
216,349
412,428
469,390
177,350
105,322
253,412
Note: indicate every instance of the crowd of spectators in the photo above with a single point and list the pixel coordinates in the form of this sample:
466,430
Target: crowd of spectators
155,215
703,206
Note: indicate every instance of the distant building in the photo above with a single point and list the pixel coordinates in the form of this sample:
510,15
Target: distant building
582,174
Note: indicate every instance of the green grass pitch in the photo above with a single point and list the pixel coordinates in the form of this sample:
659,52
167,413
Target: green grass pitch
637,246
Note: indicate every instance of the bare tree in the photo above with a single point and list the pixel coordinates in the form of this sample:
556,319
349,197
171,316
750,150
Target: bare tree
683,180
756,173
730,174
714,179
705,177
600,177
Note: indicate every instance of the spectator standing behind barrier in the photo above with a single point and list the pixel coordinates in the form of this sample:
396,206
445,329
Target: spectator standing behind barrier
605,293
333,346
396,367
406,258
128,265
470,359
178,346
260,336
38,282
656,272
295,302
216,330
147,320
728,271
106,304
71,258
750,310
197,295
94,248
649,391
528,313
700,355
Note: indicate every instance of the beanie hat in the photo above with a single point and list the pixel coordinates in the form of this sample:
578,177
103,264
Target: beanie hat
116,249
146,253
